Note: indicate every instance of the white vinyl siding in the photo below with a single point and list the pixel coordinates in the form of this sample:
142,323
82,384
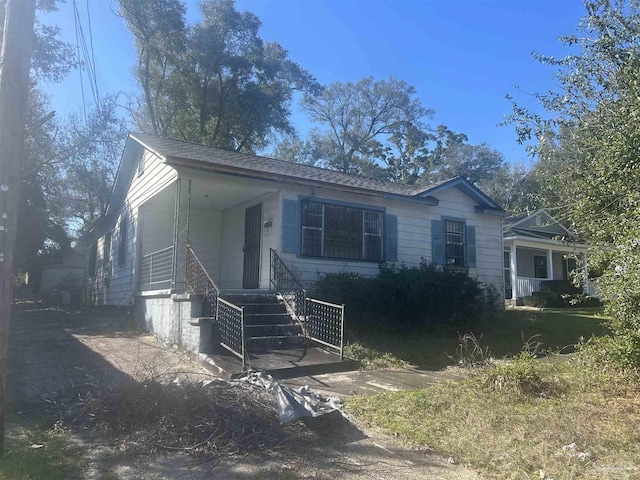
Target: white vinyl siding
157,176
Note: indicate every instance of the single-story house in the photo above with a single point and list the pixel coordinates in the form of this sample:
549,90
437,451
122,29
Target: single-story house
537,248
182,214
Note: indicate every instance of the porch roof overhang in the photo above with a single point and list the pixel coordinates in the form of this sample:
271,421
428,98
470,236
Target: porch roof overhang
543,243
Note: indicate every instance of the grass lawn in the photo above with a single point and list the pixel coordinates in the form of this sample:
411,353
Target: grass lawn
520,419
493,422
504,335
38,452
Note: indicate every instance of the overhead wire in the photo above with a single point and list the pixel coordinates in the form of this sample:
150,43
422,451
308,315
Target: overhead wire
86,57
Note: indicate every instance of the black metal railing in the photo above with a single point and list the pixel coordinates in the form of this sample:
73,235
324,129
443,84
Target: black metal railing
325,324
230,323
229,317
200,283
156,270
322,322
287,285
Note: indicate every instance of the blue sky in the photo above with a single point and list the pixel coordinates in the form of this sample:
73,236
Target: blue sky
462,56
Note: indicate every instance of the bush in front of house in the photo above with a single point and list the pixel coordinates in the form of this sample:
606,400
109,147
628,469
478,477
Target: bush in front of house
561,287
556,300
404,298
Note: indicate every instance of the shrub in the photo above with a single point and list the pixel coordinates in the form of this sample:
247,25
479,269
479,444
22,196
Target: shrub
556,300
404,298
560,287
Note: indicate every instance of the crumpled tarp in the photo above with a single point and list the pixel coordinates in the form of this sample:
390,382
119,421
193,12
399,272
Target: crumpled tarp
293,403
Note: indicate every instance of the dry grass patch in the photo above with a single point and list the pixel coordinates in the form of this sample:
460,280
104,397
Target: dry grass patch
512,422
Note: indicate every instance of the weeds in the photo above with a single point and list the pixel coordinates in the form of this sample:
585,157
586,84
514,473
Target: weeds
522,376
470,353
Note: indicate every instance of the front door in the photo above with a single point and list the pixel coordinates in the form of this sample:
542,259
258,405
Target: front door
252,232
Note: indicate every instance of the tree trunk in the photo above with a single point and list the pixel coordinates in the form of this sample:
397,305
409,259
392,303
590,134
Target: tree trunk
15,61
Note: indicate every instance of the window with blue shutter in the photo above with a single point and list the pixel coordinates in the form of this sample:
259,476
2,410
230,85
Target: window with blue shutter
453,243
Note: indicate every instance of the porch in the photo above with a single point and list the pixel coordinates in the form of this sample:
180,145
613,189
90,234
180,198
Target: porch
528,264
210,244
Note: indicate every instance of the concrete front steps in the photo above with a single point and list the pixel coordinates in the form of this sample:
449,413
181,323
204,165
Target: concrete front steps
274,341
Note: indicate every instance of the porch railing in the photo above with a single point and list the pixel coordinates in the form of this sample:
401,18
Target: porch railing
230,323
200,283
229,317
325,324
322,322
287,285
526,286
156,270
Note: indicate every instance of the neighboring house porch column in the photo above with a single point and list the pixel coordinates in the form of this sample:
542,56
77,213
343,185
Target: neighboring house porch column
513,271
549,264
585,270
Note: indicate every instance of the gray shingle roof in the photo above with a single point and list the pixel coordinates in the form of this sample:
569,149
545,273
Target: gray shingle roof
169,148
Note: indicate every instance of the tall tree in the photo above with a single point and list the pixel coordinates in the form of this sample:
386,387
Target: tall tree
478,163
159,29
215,82
356,118
594,117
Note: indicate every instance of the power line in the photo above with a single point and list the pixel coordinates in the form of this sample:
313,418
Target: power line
86,57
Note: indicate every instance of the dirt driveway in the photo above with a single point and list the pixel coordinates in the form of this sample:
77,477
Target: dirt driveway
58,356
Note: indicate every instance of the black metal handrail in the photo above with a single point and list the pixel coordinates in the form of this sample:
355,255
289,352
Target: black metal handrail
287,285
229,317
200,283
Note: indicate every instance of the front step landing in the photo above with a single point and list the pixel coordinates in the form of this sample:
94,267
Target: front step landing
281,363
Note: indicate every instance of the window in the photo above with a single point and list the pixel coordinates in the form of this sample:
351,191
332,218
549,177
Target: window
106,257
454,246
336,231
122,249
540,266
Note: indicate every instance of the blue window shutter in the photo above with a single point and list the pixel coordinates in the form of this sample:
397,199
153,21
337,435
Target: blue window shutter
290,226
391,222
471,246
437,242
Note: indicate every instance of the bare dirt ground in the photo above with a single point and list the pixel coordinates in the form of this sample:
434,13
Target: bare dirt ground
59,356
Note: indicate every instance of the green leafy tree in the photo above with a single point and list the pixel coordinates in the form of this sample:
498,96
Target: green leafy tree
215,82
357,119
592,138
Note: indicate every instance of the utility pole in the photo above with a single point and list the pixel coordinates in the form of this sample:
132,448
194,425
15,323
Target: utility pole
15,61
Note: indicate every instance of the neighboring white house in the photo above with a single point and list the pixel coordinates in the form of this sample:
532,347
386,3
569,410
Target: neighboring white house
66,277
537,247
231,209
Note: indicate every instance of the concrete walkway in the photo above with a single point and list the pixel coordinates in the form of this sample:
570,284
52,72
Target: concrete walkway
367,382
